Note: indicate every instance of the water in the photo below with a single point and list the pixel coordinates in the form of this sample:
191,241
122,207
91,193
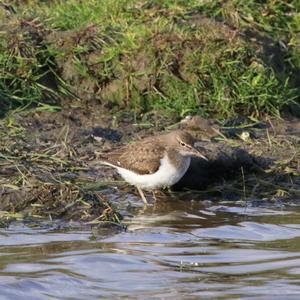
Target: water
175,250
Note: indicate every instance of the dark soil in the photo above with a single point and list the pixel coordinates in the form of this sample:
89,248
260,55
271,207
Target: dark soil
53,63
111,93
45,165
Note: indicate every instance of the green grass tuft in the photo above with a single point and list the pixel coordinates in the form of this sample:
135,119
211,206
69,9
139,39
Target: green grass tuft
213,58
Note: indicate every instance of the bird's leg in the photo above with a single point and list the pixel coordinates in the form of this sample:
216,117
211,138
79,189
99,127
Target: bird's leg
142,195
154,195
158,193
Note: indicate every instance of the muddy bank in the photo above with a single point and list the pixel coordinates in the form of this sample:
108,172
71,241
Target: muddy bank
88,87
45,160
192,62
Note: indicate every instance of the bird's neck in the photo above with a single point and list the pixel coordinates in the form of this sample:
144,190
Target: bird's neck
176,159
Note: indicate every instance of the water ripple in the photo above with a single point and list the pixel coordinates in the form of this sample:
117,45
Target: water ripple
185,252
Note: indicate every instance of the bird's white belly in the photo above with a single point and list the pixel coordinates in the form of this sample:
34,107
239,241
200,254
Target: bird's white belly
166,175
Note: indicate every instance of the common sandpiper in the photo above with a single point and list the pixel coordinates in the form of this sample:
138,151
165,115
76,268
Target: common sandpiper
154,162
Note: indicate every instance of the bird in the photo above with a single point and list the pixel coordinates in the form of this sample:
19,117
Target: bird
154,162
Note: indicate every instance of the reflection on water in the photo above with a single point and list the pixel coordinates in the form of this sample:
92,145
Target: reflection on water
174,250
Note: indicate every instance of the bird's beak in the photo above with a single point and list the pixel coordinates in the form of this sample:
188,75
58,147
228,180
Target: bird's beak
197,153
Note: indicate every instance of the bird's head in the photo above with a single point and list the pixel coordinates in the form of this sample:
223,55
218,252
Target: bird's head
183,142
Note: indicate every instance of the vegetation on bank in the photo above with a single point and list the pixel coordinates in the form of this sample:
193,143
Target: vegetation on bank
213,58
67,67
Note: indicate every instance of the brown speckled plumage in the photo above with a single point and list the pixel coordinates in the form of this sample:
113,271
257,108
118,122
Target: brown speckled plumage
143,157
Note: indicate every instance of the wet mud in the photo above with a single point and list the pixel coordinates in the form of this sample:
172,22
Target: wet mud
105,101
46,162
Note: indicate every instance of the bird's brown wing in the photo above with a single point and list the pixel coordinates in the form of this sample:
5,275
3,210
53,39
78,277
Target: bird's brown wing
139,158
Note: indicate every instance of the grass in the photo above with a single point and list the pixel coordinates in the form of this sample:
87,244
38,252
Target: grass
215,58
35,178
45,175
218,59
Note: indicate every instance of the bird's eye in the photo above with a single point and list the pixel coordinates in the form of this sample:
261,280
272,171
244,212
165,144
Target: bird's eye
182,144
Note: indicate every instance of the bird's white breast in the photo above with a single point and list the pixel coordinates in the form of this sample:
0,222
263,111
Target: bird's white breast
166,175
